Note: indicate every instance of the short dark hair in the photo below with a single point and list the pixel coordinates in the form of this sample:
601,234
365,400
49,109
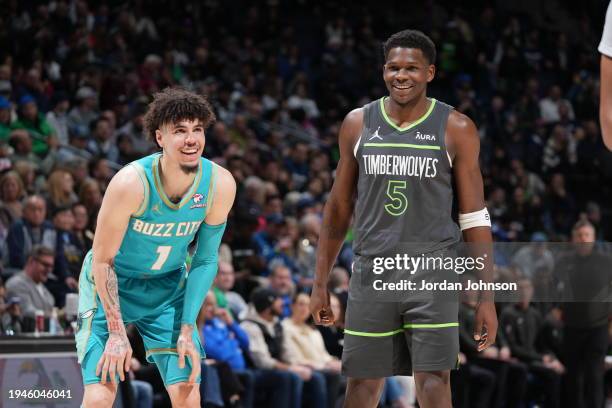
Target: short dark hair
411,39
173,105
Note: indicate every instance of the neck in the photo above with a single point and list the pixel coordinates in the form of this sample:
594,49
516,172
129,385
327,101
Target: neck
175,181
267,316
297,321
408,112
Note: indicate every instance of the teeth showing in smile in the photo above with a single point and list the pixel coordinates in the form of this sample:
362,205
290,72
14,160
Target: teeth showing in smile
402,87
190,151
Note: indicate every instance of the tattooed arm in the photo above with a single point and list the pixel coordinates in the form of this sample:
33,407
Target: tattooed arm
122,199
337,216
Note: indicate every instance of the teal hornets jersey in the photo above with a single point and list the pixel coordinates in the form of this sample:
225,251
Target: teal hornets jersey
158,235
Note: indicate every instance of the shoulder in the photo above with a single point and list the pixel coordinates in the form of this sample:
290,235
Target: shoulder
461,134
460,123
126,187
353,121
224,177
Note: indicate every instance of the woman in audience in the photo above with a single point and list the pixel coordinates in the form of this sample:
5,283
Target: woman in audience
304,345
60,190
12,193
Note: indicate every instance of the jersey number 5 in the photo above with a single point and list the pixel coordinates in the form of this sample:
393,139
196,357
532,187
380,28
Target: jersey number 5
164,252
399,202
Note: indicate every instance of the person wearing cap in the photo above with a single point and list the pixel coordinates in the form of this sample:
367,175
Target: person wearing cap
268,351
5,119
535,257
81,115
30,119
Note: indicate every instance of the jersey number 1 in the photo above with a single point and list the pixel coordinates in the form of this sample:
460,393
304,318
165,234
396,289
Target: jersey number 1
164,252
399,201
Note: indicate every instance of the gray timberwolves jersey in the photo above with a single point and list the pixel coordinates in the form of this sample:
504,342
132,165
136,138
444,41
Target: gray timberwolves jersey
404,192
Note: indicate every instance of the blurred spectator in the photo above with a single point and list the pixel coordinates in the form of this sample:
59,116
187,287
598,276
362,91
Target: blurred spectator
5,119
585,275
535,257
282,284
551,106
29,285
12,193
102,143
225,341
11,321
32,229
266,348
90,196
226,299
57,117
503,380
81,230
34,122
81,115
521,325
69,256
305,346
21,142
60,190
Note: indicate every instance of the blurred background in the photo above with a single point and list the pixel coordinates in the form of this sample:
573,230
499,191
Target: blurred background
76,78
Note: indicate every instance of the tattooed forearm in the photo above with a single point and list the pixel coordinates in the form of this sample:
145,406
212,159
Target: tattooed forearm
111,286
110,300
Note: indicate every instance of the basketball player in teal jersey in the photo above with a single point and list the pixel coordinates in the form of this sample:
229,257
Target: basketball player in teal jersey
397,156
152,210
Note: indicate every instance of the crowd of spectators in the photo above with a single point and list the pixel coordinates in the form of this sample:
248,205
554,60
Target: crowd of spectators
75,80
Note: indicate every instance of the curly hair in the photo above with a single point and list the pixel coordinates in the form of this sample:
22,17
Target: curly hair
411,39
173,105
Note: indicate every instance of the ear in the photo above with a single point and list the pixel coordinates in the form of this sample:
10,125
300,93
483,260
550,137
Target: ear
159,138
431,72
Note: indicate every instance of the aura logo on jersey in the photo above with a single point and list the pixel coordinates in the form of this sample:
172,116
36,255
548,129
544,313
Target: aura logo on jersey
423,136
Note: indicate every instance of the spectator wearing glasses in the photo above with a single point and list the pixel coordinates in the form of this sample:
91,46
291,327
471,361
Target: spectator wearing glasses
29,285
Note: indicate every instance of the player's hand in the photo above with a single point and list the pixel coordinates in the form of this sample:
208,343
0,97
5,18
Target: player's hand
319,306
485,328
116,359
185,347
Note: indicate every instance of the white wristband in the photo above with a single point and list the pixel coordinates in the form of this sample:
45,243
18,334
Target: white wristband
475,219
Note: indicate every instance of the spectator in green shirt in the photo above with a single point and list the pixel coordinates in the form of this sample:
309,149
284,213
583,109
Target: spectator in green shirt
5,119
30,119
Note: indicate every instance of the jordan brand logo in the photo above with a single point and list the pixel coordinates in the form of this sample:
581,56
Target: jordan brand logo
375,135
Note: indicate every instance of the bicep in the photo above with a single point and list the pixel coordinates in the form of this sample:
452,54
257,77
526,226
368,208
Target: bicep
122,199
466,169
347,171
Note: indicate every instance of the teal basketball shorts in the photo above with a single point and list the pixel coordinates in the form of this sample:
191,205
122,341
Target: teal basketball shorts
397,333
153,305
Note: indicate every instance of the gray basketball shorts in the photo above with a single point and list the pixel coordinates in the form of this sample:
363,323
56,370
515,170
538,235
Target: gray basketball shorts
398,332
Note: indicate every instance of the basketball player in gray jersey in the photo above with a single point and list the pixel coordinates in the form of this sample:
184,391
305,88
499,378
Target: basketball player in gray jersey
397,157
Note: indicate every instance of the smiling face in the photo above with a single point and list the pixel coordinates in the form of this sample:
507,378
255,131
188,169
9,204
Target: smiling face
182,143
406,73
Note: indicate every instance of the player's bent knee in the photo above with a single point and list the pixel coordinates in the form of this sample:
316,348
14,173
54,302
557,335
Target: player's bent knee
184,395
432,380
99,395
